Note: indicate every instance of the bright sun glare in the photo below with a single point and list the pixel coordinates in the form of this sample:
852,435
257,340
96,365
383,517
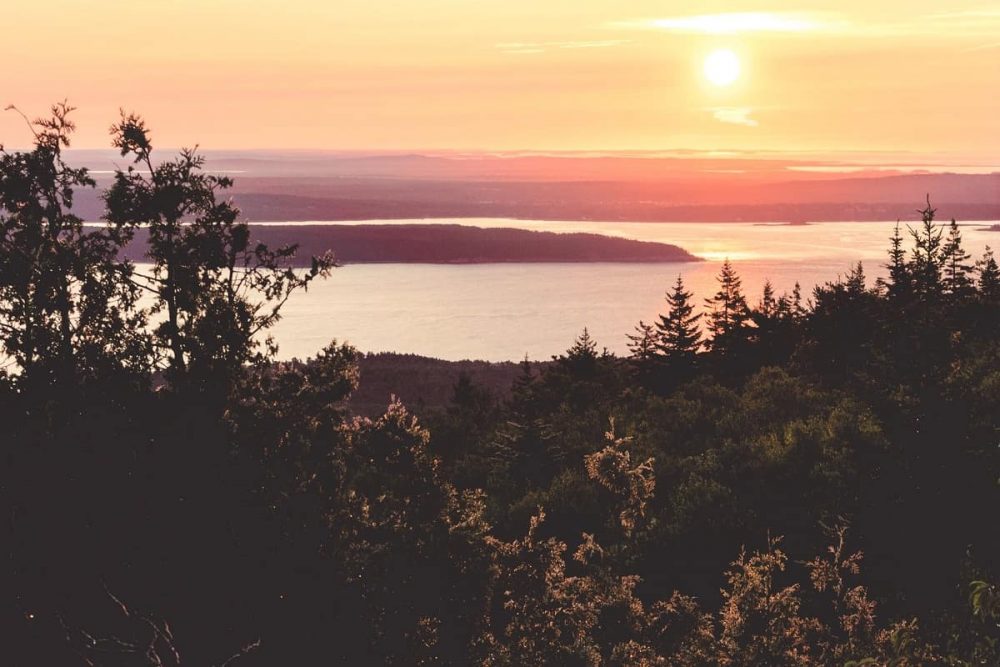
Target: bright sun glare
722,67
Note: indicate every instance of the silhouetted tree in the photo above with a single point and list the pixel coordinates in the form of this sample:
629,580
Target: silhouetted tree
774,326
957,267
642,345
67,306
989,277
768,304
900,281
679,338
927,260
856,281
581,359
219,291
729,319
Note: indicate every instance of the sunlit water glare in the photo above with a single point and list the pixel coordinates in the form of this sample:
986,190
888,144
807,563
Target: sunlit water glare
506,311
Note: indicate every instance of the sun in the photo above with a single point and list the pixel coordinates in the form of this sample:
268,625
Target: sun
722,67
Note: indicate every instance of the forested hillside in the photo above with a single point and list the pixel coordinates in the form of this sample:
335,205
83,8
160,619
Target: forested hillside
807,479
446,244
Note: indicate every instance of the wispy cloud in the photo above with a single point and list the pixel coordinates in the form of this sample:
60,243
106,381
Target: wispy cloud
729,23
541,47
967,14
734,115
958,23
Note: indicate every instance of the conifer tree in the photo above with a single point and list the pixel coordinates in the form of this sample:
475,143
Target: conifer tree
789,307
521,448
524,404
798,309
767,315
989,277
855,282
768,304
956,263
900,280
581,359
927,262
524,381
584,347
642,345
678,335
730,315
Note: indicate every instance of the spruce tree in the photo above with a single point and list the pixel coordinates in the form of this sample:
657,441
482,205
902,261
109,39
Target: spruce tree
900,281
768,304
856,280
767,313
798,309
729,314
989,277
584,347
678,334
526,379
789,307
642,345
581,360
927,262
956,264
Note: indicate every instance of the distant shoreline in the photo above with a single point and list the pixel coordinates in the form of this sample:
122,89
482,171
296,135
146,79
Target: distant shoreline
452,244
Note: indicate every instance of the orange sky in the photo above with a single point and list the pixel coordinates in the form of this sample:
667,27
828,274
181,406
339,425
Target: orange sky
850,75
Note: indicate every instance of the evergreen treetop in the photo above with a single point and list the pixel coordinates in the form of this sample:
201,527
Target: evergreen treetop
678,333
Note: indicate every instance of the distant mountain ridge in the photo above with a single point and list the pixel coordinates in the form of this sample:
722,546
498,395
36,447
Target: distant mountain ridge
305,186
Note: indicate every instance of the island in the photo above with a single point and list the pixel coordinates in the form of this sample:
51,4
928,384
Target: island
448,244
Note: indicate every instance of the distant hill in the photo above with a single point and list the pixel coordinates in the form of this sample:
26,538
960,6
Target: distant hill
423,383
451,244
277,186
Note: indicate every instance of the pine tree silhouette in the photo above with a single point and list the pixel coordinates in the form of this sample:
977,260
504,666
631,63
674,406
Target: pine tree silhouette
729,317
989,277
678,336
900,281
927,262
956,264
642,345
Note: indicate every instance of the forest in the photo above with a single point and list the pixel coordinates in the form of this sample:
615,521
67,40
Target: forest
803,479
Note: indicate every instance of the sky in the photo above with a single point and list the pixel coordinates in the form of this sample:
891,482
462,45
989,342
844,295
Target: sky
851,76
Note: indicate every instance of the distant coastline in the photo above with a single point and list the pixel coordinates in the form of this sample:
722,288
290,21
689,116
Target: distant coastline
450,244
414,187
793,223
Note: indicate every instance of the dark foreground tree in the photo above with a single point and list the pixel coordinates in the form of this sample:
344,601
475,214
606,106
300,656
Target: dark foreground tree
679,335
218,291
957,264
927,259
67,305
729,315
989,277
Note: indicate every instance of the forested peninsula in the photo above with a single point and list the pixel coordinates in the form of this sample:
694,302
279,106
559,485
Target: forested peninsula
446,244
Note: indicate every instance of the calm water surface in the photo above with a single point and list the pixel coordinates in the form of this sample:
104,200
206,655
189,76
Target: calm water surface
506,311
